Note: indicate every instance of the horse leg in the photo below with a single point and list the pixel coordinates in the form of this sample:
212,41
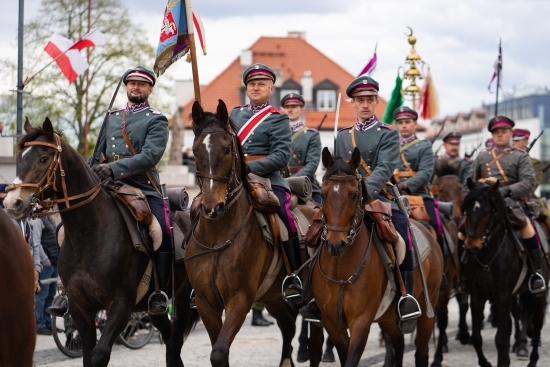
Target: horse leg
424,329
502,338
286,320
463,335
442,323
520,333
117,319
395,344
359,334
303,353
538,311
333,330
212,319
315,345
85,325
477,304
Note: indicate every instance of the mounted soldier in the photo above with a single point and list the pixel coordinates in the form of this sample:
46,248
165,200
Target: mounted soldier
451,144
513,169
305,153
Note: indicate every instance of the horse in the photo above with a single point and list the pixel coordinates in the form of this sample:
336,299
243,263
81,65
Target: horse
227,257
97,263
348,279
449,190
18,335
492,270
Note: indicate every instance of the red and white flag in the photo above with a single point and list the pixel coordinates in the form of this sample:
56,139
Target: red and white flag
69,60
199,30
497,73
371,65
91,39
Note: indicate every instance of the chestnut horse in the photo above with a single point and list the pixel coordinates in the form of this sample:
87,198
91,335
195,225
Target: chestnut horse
226,256
18,334
98,265
349,280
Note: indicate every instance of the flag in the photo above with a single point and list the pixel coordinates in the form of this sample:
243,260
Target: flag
70,61
91,39
428,105
199,30
174,33
395,101
497,66
371,65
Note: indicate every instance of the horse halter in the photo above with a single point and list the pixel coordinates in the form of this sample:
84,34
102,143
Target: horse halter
355,227
49,180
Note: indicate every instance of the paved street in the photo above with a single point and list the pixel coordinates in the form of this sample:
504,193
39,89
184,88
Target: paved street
260,346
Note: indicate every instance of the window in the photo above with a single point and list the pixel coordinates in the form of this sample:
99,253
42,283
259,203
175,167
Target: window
326,100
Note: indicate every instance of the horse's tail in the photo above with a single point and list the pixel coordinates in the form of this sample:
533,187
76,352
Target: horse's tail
191,324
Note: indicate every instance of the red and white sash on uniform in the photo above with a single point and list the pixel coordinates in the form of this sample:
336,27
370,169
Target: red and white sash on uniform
254,122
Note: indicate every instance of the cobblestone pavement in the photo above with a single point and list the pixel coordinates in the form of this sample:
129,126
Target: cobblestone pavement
260,346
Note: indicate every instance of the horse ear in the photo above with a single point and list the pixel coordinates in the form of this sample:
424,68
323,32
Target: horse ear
355,160
47,127
28,127
328,160
197,114
494,186
470,183
221,111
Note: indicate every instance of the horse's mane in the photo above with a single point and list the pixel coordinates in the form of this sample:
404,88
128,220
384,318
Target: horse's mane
444,168
496,201
339,166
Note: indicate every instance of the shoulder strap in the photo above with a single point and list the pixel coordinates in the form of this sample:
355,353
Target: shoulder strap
496,159
407,146
254,121
132,149
363,163
298,133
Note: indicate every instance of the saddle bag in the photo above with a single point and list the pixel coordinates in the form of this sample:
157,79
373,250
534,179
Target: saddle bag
535,209
418,209
136,202
515,213
315,230
263,197
380,212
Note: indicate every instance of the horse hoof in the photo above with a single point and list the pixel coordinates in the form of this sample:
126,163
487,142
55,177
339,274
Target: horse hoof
445,349
522,353
464,338
303,355
328,356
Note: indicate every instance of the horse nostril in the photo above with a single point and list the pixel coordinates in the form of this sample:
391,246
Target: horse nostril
220,207
17,203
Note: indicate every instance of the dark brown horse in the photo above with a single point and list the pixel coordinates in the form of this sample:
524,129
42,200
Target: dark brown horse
349,280
227,257
97,264
18,334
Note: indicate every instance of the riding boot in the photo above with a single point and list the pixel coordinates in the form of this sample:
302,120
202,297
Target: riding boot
58,311
258,319
292,285
408,308
311,313
158,301
537,285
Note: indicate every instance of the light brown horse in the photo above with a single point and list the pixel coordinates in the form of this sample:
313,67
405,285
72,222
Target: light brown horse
18,334
227,258
349,280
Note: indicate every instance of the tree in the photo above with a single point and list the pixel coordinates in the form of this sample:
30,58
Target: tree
49,94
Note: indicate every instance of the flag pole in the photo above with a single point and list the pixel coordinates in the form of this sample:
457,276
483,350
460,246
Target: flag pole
499,67
34,65
87,100
192,49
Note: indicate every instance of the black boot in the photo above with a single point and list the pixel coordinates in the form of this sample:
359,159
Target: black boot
408,308
258,319
311,313
537,285
59,310
158,301
292,285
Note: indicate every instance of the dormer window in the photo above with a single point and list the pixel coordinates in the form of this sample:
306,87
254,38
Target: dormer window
326,100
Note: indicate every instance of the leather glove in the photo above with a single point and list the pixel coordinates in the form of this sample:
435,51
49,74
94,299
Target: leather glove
104,171
402,186
504,191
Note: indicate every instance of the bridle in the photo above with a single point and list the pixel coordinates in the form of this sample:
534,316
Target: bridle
49,180
490,230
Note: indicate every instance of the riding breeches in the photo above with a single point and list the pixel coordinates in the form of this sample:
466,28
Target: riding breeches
401,223
162,213
284,210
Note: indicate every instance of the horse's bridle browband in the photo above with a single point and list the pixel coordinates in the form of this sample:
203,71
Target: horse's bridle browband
49,180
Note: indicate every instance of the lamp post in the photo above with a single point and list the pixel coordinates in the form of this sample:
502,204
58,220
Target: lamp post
413,73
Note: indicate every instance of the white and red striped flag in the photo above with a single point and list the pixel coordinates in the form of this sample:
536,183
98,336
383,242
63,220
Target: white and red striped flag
91,39
199,30
497,73
69,60
371,65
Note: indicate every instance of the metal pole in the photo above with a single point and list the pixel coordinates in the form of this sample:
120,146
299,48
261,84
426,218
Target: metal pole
86,112
20,69
499,67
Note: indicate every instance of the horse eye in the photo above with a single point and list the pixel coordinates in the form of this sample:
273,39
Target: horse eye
227,150
355,195
43,159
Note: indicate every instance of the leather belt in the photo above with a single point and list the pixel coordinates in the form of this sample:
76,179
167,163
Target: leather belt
250,158
117,157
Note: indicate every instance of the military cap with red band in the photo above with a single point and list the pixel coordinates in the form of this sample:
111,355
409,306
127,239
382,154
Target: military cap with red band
520,134
139,73
258,71
452,137
362,86
500,122
293,99
404,112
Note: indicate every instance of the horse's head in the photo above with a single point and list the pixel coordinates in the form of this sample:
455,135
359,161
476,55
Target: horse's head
218,158
483,209
344,193
448,184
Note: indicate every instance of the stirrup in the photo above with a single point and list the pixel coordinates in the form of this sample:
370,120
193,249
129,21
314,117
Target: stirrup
532,279
192,301
165,296
293,298
310,315
409,315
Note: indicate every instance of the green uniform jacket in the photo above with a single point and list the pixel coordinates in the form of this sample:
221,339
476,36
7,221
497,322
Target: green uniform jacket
537,166
148,132
379,146
517,167
306,145
420,156
272,138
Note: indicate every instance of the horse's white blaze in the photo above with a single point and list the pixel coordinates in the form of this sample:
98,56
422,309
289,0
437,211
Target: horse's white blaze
336,188
26,151
477,205
13,195
208,146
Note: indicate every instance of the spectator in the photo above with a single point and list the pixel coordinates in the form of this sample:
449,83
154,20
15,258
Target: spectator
1,128
44,235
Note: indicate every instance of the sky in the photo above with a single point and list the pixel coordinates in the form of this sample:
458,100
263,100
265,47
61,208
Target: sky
458,39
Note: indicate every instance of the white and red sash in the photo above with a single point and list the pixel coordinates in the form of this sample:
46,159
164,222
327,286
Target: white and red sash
254,122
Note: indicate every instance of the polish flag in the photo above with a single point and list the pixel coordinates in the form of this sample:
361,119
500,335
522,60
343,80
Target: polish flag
70,61
199,30
91,39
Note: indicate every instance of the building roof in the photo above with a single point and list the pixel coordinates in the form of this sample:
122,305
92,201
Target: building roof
292,56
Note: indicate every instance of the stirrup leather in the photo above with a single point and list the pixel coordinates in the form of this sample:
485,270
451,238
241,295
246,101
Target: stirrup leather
532,279
410,315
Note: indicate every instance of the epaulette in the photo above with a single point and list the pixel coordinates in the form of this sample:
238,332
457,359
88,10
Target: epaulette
154,112
113,111
312,129
520,150
346,128
387,126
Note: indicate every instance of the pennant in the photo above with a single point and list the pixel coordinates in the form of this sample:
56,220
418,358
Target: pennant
70,61
199,30
428,105
497,66
395,101
173,41
371,65
91,39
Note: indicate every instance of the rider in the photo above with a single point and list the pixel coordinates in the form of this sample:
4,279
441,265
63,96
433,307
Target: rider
305,152
451,144
379,146
266,146
520,140
147,130
513,168
416,165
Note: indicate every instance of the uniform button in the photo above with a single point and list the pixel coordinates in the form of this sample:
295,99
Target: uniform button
149,182
349,151
122,173
241,108
252,134
112,138
378,129
350,131
117,113
147,114
114,145
126,146
250,141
